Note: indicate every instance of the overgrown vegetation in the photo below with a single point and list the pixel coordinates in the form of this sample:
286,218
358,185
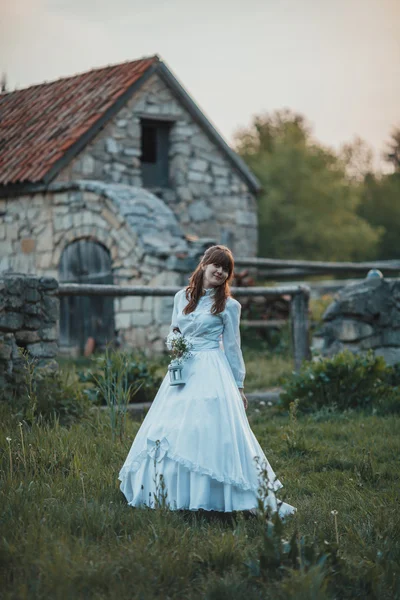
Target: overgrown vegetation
45,395
140,375
67,531
345,381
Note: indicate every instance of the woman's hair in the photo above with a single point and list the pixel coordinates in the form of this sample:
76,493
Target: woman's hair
216,255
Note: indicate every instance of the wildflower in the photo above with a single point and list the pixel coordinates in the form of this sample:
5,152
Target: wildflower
8,439
262,403
335,513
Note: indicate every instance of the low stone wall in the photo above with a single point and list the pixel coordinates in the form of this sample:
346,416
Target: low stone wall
364,315
29,309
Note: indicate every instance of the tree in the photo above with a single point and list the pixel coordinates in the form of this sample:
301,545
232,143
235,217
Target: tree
393,153
307,208
380,202
357,159
380,206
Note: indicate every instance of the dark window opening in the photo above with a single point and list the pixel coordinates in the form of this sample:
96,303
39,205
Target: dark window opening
149,144
155,150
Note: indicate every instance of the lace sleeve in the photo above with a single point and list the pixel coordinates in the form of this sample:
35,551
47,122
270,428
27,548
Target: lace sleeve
231,340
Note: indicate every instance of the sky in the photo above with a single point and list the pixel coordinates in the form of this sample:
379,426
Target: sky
337,62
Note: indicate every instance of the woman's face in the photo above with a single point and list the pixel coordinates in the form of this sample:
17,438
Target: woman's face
214,275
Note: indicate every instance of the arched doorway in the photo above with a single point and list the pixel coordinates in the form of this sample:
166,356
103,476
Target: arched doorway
81,317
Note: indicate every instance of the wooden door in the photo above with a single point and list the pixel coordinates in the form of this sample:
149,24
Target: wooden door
81,317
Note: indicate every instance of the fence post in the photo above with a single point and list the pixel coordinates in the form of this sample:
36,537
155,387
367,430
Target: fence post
300,326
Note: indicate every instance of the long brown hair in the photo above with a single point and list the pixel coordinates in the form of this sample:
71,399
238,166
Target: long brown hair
216,255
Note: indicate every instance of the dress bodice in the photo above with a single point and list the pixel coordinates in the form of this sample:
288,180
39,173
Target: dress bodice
206,331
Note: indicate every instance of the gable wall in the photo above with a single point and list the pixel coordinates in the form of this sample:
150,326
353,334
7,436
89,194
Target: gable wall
208,196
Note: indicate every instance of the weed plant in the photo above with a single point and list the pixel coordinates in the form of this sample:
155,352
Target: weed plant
45,394
141,373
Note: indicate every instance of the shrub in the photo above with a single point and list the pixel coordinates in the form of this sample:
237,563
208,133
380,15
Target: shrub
346,381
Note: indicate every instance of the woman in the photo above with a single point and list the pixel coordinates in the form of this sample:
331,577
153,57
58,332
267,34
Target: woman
196,438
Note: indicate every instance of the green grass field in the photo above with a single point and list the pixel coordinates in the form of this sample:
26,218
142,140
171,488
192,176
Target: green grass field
67,532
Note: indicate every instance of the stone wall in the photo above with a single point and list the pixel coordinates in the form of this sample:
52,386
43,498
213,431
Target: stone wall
207,194
36,228
29,309
363,316
145,242
140,232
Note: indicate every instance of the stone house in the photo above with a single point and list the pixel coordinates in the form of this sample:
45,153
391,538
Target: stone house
111,176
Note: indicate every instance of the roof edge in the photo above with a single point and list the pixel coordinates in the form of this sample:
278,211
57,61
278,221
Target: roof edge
103,120
154,57
205,123
160,68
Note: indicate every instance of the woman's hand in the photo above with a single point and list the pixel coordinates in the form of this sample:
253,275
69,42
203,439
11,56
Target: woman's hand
245,403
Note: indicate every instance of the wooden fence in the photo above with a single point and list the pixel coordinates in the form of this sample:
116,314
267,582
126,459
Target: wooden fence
299,304
276,269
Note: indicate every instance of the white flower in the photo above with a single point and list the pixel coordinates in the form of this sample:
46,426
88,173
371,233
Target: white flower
8,439
179,346
171,338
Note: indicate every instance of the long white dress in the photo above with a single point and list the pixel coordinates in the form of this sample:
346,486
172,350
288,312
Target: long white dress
197,435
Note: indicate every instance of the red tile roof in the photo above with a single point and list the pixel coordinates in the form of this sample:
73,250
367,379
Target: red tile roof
40,123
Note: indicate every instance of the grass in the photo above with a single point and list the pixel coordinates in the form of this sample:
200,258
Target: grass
264,367
265,370
67,532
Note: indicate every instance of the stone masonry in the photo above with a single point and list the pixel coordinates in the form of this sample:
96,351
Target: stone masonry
207,195
141,233
153,236
29,309
363,316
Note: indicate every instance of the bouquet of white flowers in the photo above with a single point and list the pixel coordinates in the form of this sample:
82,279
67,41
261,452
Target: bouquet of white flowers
179,346
180,350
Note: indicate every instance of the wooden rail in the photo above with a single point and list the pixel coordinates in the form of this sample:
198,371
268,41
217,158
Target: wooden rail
273,267
299,294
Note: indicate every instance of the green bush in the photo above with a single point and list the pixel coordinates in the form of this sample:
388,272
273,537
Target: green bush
346,381
140,372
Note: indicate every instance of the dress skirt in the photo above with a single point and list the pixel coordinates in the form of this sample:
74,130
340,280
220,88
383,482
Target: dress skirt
198,438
